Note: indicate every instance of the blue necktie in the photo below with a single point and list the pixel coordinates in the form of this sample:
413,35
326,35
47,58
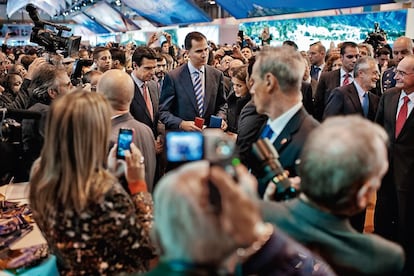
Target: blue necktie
267,132
198,91
315,72
365,104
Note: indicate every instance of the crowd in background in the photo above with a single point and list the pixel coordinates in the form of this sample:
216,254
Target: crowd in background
97,213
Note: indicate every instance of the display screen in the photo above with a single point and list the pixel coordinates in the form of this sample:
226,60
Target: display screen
256,8
92,25
112,20
168,12
327,29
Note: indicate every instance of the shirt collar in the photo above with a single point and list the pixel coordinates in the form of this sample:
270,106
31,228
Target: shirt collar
280,122
359,89
410,96
343,73
192,69
137,81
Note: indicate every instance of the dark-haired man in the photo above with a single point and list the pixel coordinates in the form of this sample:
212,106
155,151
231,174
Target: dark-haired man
192,90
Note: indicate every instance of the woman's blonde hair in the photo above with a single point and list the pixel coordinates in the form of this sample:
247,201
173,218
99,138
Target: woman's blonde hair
71,169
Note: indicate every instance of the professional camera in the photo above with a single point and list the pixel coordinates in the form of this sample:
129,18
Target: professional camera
273,171
377,38
11,146
52,41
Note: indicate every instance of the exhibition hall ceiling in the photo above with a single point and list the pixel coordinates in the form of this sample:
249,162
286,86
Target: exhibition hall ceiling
172,12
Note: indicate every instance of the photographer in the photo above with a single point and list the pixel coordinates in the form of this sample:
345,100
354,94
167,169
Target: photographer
48,83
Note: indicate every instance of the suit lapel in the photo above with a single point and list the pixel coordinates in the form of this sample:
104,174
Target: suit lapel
353,95
292,127
209,82
139,99
393,111
153,91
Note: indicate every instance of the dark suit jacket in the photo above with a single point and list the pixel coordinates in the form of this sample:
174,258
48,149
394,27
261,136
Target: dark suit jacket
307,98
344,100
395,198
143,139
288,144
178,103
138,108
347,251
327,82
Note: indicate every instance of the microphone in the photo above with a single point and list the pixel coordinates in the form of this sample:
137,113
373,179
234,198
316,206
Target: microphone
266,153
34,15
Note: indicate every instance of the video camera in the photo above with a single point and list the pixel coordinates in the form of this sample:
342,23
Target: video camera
377,38
11,146
52,41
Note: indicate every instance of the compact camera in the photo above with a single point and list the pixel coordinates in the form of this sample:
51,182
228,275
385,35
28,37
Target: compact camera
212,145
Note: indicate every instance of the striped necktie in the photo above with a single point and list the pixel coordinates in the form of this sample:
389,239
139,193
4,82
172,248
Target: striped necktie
198,92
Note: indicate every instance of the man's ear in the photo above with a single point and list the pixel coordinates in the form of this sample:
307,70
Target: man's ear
52,93
134,65
364,194
271,82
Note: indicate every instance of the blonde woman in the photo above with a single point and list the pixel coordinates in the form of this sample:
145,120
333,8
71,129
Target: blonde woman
90,222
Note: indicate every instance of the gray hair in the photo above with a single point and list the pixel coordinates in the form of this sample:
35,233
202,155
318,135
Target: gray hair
338,157
186,231
363,63
285,64
43,80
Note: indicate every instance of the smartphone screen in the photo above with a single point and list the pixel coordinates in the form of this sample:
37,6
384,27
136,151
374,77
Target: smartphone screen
183,146
125,137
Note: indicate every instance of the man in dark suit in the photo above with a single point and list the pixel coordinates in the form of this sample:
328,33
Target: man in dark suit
402,47
178,102
144,106
339,173
395,199
276,91
328,81
118,88
355,98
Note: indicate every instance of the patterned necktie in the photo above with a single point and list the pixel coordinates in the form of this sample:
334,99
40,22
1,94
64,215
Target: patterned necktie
346,80
267,133
147,100
315,72
365,104
402,116
198,91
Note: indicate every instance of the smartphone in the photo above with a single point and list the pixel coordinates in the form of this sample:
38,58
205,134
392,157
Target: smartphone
215,121
182,147
115,45
199,122
125,137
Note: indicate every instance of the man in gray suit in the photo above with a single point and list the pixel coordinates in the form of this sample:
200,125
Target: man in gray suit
342,164
179,104
118,88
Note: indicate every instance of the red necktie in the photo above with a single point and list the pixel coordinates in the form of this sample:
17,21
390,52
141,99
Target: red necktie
147,100
402,116
346,80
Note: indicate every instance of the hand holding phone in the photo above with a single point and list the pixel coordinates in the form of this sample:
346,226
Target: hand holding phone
125,138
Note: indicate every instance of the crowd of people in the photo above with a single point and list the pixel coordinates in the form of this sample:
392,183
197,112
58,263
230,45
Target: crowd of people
339,120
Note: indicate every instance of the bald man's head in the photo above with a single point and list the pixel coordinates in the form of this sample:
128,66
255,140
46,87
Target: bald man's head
118,88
